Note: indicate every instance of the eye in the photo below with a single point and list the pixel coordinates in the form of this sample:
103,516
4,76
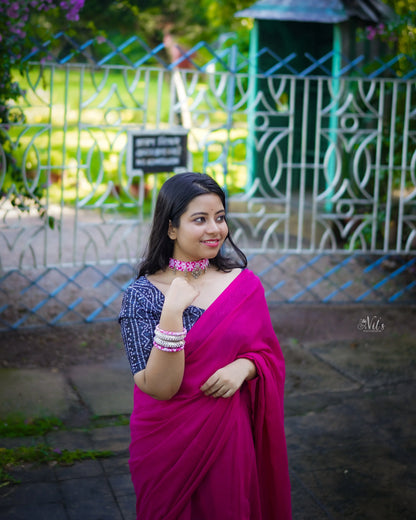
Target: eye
200,220
221,218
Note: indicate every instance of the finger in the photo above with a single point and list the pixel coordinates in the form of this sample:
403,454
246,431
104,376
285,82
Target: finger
214,391
219,393
210,383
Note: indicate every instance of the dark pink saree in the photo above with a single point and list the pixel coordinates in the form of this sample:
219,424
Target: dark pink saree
198,458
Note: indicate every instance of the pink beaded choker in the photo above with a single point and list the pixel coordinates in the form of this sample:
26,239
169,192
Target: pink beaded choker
195,268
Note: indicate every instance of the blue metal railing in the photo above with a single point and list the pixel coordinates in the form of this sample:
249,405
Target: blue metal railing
92,51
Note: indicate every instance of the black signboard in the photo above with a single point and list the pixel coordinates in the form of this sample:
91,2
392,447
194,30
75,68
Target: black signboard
155,151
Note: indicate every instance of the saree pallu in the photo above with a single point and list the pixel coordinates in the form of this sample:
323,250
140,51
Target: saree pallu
196,457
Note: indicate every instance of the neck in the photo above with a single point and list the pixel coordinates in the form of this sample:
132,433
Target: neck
196,268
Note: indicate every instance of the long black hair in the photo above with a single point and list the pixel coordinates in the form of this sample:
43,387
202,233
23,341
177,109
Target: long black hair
172,201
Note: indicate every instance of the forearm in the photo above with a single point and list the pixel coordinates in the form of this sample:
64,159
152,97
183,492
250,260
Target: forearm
164,371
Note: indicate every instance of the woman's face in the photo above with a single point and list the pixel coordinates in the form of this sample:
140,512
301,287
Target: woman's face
202,229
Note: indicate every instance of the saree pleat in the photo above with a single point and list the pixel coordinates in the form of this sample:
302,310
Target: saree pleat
196,457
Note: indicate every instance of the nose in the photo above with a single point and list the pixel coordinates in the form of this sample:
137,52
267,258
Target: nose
212,226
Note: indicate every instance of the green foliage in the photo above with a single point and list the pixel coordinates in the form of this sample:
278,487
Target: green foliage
104,422
16,426
189,21
21,23
399,33
42,454
19,427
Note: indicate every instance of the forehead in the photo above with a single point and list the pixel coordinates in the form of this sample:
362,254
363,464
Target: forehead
205,203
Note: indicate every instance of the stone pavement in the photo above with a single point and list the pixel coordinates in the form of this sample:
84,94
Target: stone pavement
350,421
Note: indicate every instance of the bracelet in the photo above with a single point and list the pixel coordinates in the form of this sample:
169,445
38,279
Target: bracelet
167,337
170,344
168,349
170,333
169,341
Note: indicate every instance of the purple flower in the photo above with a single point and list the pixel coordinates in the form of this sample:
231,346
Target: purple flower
12,12
72,16
371,33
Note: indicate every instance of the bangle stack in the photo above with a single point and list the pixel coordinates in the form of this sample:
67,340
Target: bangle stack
169,341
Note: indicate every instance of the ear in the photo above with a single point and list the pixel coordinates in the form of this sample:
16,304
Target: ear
171,231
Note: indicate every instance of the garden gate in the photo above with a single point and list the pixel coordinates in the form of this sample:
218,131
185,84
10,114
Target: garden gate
330,218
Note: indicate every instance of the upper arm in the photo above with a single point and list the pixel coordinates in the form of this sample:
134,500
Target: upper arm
137,322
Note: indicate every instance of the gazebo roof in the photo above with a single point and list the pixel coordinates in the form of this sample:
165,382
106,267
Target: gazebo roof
326,11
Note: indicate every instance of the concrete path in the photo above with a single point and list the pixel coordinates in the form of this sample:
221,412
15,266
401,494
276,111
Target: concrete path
350,422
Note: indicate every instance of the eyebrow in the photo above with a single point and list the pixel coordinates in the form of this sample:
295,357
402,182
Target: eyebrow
204,213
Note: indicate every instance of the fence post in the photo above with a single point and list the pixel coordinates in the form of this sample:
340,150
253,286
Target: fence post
251,108
333,120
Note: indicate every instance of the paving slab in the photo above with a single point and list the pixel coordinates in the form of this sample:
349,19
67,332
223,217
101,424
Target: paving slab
350,425
127,504
373,361
32,493
306,373
106,388
40,512
69,440
35,392
90,498
82,469
113,438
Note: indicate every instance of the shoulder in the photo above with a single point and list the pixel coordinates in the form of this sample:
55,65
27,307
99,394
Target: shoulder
239,275
222,279
138,288
232,274
251,281
140,294
249,275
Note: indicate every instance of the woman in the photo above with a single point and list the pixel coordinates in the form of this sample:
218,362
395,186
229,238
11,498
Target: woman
207,437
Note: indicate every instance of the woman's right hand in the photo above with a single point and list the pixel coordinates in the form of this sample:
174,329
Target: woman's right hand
180,295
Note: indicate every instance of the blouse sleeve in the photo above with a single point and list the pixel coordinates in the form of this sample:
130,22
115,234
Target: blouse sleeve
138,318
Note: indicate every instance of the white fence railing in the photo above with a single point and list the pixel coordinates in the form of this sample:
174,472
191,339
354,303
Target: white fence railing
325,165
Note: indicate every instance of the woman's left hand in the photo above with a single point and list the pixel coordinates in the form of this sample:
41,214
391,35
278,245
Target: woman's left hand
227,380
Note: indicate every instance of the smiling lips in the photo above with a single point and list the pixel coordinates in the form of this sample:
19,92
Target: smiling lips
211,243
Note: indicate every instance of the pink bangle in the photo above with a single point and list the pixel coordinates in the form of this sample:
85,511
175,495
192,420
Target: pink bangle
168,349
170,333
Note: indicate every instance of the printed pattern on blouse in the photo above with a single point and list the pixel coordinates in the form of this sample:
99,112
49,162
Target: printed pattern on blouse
140,313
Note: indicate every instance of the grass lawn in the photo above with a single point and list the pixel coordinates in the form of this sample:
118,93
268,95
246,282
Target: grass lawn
74,138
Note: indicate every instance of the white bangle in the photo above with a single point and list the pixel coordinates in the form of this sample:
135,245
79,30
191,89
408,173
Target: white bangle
167,337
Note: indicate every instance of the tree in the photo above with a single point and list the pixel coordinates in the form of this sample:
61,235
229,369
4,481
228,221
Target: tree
189,21
18,34
400,32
